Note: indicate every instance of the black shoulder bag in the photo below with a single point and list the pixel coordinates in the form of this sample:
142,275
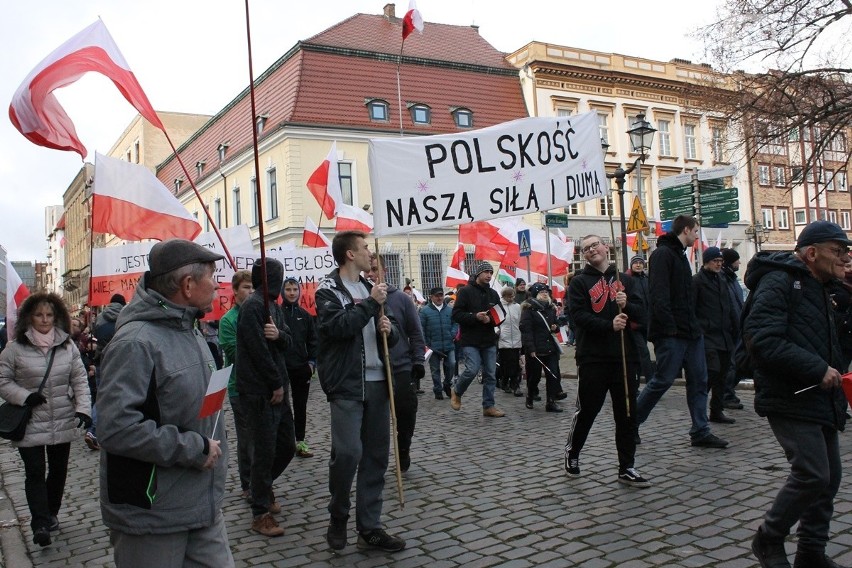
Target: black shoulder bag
14,418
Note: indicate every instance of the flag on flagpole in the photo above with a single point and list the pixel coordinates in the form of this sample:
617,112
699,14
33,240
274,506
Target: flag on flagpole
324,184
497,313
129,202
562,334
312,236
217,388
412,20
351,218
719,240
455,277
16,293
36,112
458,257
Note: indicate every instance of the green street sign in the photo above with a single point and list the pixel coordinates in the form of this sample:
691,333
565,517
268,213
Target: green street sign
676,191
717,206
671,213
711,184
720,217
719,195
669,202
559,220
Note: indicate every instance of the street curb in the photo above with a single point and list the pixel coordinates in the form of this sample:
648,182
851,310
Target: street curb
13,548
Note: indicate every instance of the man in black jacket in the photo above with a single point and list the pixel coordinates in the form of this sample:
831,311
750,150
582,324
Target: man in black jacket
262,382
478,341
790,334
602,307
675,332
716,317
640,331
350,326
541,351
730,267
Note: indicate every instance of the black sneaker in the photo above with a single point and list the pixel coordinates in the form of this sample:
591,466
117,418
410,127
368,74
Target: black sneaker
572,466
447,387
41,536
769,553
54,524
710,441
404,460
814,559
380,540
631,477
561,395
732,405
336,534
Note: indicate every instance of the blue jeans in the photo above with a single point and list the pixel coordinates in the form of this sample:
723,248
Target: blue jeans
476,358
674,353
448,362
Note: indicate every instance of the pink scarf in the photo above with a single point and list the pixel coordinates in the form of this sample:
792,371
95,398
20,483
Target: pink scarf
43,341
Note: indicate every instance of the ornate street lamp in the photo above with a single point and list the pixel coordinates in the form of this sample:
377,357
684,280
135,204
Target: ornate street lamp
641,135
758,233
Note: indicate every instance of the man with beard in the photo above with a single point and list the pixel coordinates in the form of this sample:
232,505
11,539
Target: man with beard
675,332
602,307
730,266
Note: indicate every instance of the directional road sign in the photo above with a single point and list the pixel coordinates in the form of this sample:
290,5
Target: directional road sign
730,205
720,217
676,191
524,243
668,202
719,195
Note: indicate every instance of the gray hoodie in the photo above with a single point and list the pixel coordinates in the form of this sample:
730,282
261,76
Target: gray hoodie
155,376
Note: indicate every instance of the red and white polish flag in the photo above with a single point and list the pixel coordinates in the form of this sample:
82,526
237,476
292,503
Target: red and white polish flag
16,293
217,388
129,202
312,236
412,20
36,112
324,184
458,257
350,218
455,277
562,334
497,313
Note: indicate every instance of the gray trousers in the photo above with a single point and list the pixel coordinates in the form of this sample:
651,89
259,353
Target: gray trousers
207,547
808,494
360,440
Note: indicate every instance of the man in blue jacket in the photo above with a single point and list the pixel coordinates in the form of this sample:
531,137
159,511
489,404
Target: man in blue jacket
350,325
439,332
790,334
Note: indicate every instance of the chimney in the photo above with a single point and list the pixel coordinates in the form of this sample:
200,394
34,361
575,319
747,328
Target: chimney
390,11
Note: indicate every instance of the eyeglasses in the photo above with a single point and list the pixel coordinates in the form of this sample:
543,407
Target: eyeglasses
839,252
588,248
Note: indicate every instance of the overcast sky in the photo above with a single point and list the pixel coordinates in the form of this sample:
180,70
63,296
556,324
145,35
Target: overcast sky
190,56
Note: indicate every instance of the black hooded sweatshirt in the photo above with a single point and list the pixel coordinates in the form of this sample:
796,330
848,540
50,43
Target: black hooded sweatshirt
303,329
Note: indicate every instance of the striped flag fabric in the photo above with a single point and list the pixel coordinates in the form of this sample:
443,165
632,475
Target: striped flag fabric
497,313
312,237
217,388
412,20
350,218
324,184
16,293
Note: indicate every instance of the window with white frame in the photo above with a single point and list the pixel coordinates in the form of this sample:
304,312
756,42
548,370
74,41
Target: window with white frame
690,142
605,206
207,218
780,176
718,143
783,218
463,118
796,174
420,114
763,174
794,134
828,179
664,137
379,110
840,180
800,217
573,209
253,202
347,188
562,111
431,270
845,220
393,268
832,216
766,213
238,206
603,126
217,211
271,193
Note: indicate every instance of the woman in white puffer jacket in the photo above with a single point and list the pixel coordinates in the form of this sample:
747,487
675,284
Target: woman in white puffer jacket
58,413
509,345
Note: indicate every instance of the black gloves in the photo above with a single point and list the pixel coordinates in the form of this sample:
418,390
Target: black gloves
83,421
35,399
417,371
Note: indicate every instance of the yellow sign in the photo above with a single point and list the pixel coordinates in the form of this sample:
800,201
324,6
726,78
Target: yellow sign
638,221
640,242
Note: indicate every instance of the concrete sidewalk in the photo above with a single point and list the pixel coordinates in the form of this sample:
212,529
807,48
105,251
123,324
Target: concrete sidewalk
490,492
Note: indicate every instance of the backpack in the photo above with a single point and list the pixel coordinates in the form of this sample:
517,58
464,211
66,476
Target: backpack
743,359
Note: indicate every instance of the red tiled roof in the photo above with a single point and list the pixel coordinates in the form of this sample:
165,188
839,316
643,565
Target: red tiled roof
326,80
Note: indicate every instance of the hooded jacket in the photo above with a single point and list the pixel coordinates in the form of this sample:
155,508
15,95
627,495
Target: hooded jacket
640,283
439,329
410,349
262,363
22,368
156,372
792,341
510,329
712,301
591,302
672,313
303,350
471,300
536,335
340,323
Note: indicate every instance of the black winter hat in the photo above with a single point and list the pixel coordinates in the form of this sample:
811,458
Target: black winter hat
730,256
538,287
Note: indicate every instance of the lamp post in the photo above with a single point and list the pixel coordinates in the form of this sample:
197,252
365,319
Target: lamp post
641,135
758,233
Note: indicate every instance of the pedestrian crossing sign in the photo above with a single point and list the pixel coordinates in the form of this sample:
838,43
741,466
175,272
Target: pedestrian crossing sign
638,221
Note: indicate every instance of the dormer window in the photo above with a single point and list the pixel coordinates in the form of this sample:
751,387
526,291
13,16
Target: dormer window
420,113
260,122
462,117
178,183
378,109
199,167
222,150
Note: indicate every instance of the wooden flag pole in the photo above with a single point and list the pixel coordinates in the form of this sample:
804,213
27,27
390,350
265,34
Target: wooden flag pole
621,333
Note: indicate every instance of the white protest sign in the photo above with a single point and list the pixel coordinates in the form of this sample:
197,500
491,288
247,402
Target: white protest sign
514,168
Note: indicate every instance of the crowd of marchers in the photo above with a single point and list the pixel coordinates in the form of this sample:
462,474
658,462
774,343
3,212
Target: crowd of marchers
132,385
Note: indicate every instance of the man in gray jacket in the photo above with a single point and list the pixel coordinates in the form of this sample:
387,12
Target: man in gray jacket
162,475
